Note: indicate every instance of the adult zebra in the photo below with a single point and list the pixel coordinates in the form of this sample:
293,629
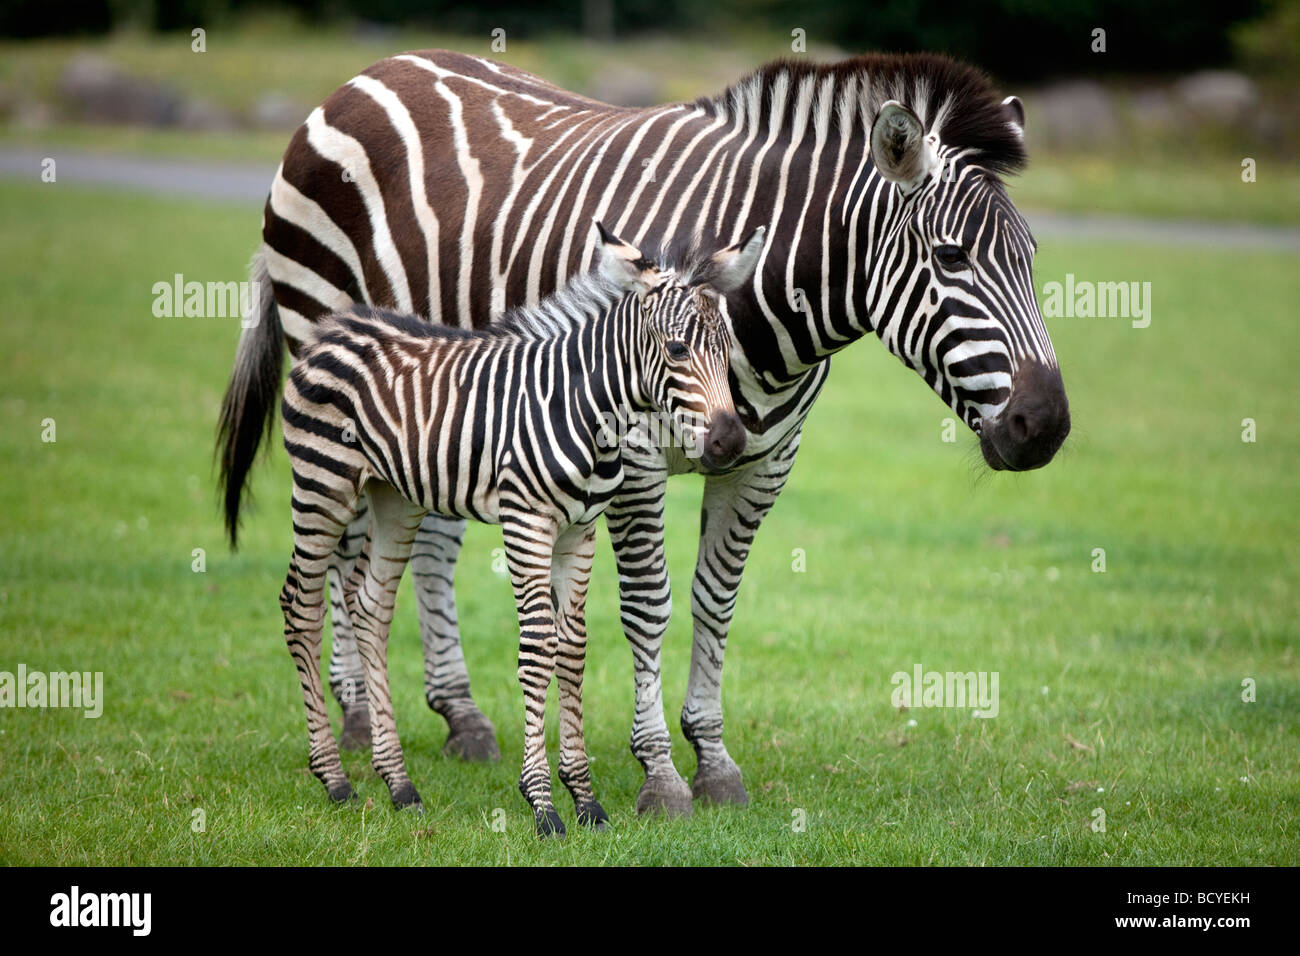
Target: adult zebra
447,184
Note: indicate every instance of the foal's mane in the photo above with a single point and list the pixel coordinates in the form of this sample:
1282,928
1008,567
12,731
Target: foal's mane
584,296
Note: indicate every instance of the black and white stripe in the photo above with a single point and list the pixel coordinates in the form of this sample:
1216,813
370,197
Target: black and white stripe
516,425
453,186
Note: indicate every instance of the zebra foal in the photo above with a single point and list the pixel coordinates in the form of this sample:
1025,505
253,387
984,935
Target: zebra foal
510,425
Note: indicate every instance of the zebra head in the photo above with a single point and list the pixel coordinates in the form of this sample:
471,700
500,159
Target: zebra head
683,344
960,308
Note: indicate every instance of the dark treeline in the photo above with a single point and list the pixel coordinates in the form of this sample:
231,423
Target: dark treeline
1017,39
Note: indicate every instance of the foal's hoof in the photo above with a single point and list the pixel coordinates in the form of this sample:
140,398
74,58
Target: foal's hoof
341,791
549,825
405,797
356,729
593,815
474,746
720,784
664,793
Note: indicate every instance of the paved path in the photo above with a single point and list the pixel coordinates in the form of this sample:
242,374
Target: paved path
192,179
249,182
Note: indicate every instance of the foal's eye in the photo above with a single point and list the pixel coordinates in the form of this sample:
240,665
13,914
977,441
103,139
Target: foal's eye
677,351
951,257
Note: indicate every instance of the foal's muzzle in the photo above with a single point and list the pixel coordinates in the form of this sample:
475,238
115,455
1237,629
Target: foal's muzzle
724,441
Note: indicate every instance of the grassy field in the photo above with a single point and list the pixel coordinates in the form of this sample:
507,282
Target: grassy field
1119,690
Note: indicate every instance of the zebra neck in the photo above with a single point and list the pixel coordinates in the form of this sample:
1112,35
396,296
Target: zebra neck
601,359
813,184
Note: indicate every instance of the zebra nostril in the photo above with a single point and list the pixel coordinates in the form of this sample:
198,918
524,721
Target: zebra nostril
1018,428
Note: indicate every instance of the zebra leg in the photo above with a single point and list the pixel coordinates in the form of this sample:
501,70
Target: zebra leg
570,576
529,543
371,593
319,521
733,507
347,680
446,681
635,519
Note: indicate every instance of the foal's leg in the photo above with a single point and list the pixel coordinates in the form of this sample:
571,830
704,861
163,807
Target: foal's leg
347,680
570,575
370,593
530,541
319,521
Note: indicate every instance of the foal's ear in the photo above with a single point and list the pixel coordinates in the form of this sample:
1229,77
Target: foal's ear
733,266
622,263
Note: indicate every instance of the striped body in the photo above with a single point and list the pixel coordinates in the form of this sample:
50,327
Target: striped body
448,420
516,425
452,186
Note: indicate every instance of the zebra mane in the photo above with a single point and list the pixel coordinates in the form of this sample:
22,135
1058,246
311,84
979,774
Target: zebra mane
953,99
579,300
586,294
583,297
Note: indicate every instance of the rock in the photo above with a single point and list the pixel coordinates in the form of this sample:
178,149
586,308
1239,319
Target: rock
200,114
278,111
32,114
1222,96
1269,126
1154,110
98,92
1073,113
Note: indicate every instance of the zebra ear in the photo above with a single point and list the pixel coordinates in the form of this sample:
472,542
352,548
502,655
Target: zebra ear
622,263
899,147
1015,111
732,267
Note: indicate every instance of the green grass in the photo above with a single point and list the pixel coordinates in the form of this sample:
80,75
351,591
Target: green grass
1118,690
1206,185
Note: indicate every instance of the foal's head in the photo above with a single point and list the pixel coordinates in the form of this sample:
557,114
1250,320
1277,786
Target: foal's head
683,344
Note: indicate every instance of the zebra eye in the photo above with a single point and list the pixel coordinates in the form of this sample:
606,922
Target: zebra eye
677,351
951,257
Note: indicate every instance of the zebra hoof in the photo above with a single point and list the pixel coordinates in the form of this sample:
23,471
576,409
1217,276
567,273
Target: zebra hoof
593,816
405,797
474,746
549,825
341,791
721,785
665,794
356,729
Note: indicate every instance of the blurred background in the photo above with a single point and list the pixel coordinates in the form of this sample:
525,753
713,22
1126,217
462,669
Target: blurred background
1137,107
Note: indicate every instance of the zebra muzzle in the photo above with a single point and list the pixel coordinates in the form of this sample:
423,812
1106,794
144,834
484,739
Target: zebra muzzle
724,442
1034,424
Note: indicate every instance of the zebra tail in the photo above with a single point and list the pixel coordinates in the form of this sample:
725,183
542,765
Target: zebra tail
248,409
